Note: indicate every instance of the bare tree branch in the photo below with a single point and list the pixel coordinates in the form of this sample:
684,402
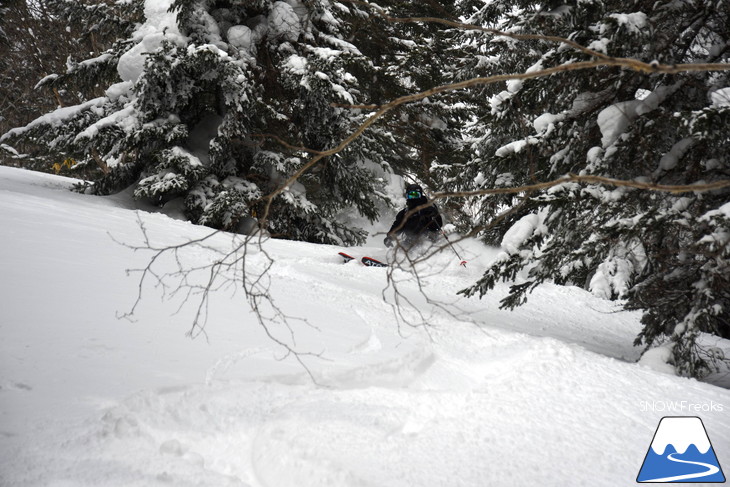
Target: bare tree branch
229,268
573,178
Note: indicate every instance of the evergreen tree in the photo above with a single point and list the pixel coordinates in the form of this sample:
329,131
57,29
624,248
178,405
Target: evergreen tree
665,254
35,41
191,97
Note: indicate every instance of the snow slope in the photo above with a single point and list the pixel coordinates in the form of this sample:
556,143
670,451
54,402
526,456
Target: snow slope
549,394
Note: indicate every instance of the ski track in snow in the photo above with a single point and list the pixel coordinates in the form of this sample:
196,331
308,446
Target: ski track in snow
546,395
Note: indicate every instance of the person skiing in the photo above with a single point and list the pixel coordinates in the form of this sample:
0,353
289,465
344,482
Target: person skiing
409,229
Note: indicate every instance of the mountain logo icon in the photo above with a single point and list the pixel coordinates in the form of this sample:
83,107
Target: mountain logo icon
681,452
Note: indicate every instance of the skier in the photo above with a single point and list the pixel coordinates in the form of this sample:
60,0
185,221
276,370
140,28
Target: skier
410,229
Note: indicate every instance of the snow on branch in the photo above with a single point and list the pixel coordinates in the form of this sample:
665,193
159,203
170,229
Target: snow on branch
57,117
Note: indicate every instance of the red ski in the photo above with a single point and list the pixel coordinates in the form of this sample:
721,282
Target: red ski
345,256
370,262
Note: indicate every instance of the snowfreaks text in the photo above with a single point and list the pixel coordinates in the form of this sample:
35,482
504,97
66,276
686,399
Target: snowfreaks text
681,406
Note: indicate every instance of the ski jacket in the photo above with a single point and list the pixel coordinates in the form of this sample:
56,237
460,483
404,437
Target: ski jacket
425,222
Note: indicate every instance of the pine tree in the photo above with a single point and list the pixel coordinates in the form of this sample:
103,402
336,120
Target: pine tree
665,254
212,102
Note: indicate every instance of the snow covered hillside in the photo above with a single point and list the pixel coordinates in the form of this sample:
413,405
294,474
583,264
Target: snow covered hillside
547,395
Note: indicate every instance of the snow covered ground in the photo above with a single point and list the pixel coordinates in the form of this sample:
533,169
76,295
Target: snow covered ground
549,394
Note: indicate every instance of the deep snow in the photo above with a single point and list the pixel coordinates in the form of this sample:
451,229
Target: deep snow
549,394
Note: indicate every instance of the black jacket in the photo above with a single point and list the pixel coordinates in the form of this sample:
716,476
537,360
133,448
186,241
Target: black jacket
425,222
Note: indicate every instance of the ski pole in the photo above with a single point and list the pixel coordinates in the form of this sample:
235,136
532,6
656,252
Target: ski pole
463,262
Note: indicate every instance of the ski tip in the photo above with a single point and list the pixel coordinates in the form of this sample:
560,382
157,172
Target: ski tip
370,262
345,256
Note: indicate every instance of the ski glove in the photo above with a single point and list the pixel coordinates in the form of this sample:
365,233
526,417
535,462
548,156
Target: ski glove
388,241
